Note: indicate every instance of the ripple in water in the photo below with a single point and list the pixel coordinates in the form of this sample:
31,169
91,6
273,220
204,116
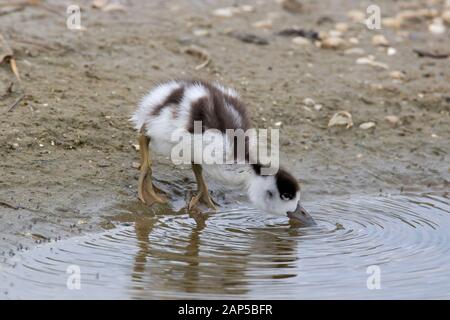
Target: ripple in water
243,253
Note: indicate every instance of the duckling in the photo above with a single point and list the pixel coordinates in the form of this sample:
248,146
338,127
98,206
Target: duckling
177,106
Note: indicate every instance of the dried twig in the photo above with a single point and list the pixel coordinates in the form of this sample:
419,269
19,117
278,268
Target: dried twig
426,54
16,103
8,205
10,9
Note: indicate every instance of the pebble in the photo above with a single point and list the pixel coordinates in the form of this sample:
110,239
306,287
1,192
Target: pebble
446,16
392,119
201,32
293,6
342,27
437,27
391,51
333,43
318,107
356,15
397,75
135,165
392,22
300,41
367,125
247,8
370,60
334,33
341,118
355,51
380,40
263,24
225,12
309,102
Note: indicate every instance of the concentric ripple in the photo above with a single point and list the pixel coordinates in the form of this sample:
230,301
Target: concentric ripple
244,253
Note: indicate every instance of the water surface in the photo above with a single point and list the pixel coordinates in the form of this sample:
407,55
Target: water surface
242,253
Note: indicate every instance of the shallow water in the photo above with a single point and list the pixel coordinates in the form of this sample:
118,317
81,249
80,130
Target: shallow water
242,253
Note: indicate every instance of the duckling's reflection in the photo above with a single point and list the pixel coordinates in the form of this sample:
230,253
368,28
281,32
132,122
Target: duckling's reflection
188,266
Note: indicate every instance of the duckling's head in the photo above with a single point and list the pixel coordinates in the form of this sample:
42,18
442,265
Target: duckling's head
279,194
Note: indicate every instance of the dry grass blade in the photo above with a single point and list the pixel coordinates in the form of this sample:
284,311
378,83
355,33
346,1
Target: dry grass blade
199,53
7,55
14,69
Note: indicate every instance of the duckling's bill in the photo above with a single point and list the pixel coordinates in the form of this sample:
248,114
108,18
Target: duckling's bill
300,215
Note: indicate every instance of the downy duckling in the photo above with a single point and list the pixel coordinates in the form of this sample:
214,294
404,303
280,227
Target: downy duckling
176,106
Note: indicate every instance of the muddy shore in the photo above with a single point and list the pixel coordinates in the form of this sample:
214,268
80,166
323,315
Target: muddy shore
66,150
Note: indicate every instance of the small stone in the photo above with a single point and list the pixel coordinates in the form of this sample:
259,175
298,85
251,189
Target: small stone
356,15
355,51
293,6
392,119
136,165
446,16
247,8
367,125
135,147
263,24
437,27
333,43
278,124
308,102
301,41
370,60
353,40
391,51
318,107
341,118
334,34
397,75
201,32
225,12
380,40
394,23
342,27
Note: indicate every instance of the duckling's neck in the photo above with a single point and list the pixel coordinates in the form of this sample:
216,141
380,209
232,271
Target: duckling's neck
233,175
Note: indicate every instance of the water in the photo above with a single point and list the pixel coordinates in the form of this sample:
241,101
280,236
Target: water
242,253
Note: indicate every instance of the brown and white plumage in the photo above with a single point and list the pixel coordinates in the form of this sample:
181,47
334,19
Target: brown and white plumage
171,108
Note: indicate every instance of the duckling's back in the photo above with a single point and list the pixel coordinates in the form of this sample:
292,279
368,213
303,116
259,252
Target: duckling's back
177,104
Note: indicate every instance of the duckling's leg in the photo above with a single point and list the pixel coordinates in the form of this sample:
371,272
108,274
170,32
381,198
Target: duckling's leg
202,192
146,190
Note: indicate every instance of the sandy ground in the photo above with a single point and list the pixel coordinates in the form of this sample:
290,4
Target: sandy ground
66,150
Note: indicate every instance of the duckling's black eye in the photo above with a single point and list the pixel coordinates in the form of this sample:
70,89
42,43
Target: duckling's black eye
269,194
287,196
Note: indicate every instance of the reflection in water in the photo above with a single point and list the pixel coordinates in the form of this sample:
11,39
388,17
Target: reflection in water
244,253
187,270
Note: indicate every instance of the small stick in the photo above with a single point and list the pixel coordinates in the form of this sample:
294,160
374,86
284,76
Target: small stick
11,108
5,204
